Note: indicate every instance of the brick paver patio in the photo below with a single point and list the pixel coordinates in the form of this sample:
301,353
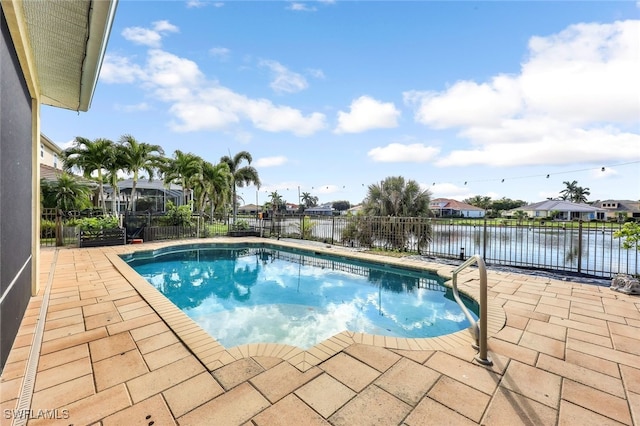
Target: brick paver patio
115,352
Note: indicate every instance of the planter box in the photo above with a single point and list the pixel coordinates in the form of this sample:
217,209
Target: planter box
102,237
244,233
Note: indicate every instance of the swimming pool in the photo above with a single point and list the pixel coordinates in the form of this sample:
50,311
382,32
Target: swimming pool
262,293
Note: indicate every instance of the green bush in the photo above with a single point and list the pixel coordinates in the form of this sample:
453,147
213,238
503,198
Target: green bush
47,228
241,225
96,223
178,215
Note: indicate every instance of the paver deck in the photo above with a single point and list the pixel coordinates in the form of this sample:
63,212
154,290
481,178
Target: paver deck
114,351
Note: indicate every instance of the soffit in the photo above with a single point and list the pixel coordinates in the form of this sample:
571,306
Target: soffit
68,40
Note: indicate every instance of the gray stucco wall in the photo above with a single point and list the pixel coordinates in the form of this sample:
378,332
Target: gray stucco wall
15,193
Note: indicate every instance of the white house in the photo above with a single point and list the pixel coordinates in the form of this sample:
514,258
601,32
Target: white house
559,210
444,207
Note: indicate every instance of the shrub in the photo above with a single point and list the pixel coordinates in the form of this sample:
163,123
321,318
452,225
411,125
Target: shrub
47,228
241,225
630,231
178,215
97,223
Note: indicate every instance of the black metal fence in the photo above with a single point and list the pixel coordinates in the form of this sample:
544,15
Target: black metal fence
67,233
588,248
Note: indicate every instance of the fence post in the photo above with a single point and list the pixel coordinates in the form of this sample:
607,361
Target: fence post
484,239
333,227
302,227
579,246
59,241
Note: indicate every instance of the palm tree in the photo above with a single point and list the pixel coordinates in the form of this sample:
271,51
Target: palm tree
482,201
580,195
67,193
139,156
395,197
574,193
309,200
276,201
212,184
89,157
240,176
567,193
114,164
182,169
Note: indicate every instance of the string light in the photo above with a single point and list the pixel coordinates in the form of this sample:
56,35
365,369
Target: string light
502,180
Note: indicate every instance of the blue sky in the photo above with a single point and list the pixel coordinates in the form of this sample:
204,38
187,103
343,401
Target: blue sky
466,98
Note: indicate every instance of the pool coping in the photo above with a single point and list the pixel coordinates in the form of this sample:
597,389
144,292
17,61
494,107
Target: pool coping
214,355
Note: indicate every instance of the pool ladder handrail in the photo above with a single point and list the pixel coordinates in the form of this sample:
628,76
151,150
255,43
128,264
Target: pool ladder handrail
479,330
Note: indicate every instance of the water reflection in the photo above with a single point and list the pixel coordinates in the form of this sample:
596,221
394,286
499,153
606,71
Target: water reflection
244,294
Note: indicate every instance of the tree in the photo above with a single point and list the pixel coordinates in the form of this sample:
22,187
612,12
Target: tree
182,169
574,193
212,185
89,157
580,195
506,204
139,156
67,193
520,215
341,205
395,197
113,165
309,200
276,201
240,176
481,201
630,231
406,206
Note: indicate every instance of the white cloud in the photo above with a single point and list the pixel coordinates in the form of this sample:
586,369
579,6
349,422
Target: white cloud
200,104
221,53
301,7
326,189
367,113
142,106
544,195
284,81
165,26
316,73
399,153
271,161
195,3
149,37
118,69
447,190
574,100
603,174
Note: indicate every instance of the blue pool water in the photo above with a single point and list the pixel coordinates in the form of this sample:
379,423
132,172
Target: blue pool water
253,294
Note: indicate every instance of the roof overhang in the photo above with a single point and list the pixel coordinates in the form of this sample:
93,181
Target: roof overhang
63,44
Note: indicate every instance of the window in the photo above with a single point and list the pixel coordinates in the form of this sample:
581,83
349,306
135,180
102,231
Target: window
41,151
55,161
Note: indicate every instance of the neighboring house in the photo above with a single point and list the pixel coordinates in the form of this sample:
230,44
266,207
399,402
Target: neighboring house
353,210
291,208
150,195
50,154
618,209
558,210
50,54
323,210
444,207
249,209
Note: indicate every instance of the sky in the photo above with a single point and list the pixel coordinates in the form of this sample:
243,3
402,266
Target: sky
501,99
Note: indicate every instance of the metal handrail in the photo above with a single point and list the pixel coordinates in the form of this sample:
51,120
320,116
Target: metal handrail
479,331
